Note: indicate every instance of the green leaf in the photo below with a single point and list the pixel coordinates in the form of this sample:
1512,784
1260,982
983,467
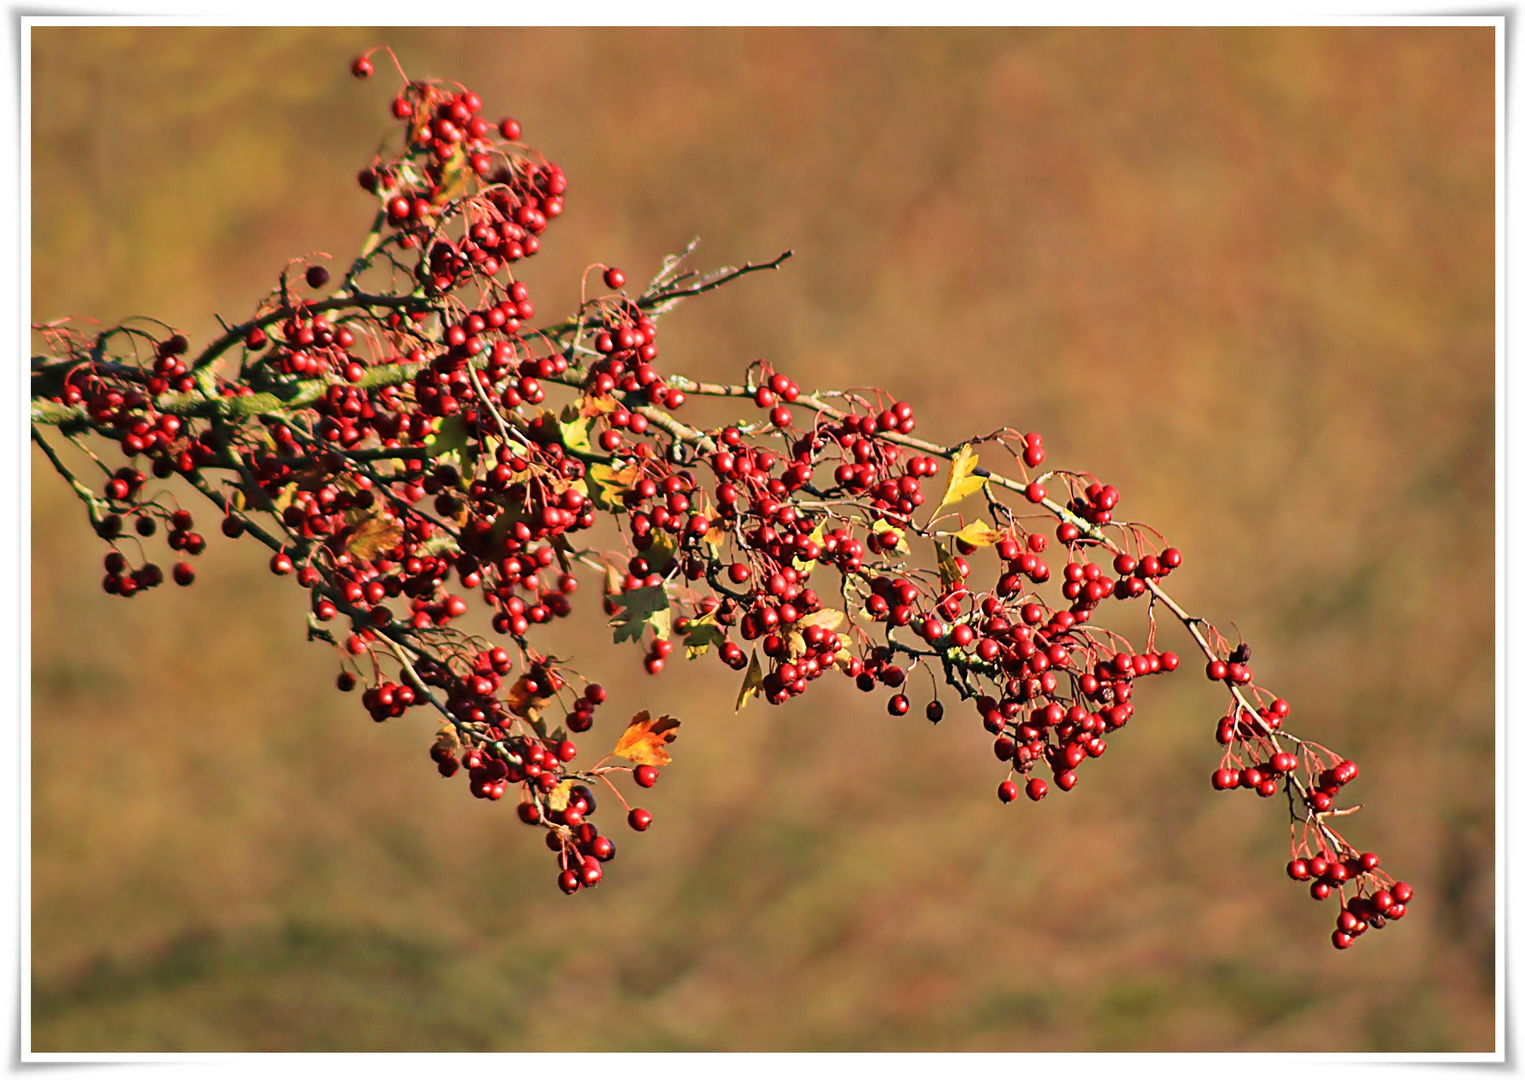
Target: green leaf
640,608
702,633
451,440
663,549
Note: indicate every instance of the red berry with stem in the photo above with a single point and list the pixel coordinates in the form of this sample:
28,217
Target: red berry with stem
640,820
645,775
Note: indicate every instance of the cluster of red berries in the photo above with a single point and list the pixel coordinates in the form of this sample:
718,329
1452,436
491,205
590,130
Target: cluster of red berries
404,449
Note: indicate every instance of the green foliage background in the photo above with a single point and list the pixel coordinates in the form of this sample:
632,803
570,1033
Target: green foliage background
1245,275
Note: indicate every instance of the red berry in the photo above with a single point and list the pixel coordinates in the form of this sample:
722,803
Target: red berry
614,278
1036,789
645,775
184,573
640,820
1007,792
362,67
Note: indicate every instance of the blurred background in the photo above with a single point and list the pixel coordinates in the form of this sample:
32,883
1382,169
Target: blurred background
1247,276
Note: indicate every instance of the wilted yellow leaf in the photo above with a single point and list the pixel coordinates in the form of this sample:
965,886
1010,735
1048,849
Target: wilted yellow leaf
560,795
947,569
644,741
751,686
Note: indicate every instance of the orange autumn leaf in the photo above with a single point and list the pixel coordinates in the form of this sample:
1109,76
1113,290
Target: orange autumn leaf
645,739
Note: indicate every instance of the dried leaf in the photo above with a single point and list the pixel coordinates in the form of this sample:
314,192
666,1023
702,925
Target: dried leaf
961,479
644,741
640,608
521,702
751,685
448,739
373,535
947,569
591,406
453,176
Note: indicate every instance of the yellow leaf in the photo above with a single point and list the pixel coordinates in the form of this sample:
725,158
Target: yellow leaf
644,741
961,479
830,618
574,436
882,527
817,534
751,686
796,642
560,795
979,534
